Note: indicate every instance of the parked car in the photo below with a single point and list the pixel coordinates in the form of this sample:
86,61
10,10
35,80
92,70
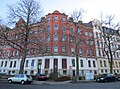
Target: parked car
118,78
21,78
42,77
107,78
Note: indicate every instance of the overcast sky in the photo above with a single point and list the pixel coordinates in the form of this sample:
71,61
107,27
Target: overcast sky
92,7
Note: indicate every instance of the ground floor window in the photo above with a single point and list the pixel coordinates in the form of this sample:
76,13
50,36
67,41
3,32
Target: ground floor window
32,72
25,72
64,72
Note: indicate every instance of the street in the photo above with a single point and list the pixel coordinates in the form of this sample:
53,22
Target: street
90,85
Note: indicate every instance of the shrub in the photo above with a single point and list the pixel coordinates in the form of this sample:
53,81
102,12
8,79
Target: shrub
63,78
53,76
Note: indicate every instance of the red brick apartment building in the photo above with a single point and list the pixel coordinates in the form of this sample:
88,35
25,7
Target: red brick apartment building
52,45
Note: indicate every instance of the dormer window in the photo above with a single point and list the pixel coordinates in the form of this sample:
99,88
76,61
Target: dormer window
56,18
20,26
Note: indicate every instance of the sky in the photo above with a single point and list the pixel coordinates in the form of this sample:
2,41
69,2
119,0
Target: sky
92,7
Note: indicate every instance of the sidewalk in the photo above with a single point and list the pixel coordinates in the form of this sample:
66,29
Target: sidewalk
50,82
63,82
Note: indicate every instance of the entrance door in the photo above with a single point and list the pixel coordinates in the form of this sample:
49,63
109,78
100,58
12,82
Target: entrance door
55,65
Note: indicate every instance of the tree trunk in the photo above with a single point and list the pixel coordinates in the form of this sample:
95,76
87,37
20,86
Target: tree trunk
77,67
22,62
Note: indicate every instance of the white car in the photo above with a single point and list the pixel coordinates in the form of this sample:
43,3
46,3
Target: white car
22,78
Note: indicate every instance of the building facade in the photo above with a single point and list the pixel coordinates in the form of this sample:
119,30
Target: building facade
52,46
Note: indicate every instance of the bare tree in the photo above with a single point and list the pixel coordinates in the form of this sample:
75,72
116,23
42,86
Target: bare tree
77,14
28,11
111,27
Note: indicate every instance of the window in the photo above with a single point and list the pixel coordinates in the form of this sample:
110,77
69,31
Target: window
72,39
87,42
63,49
56,18
40,50
34,50
98,43
13,53
88,52
41,30
11,64
78,31
55,27
96,35
116,64
80,51
91,42
35,40
21,27
29,42
41,39
81,63
72,50
91,34
36,30
63,19
89,63
48,28
56,38
27,61
5,63
48,19
32,72
17,53
1,63
86,33
64,38
28,51
47,49
30,31
104,63
64,63
47,61
73,62
63,28
32,63
94,65
93,53
14,63
55,49
71,30
101,63
80,41
48,38
64,72
99,52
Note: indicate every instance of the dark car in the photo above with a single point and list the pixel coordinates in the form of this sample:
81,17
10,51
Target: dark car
42,77
107,78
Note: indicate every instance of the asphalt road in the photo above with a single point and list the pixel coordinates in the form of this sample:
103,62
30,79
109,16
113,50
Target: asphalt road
90,85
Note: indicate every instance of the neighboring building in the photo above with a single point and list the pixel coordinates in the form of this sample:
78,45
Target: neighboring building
52,47
102,59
